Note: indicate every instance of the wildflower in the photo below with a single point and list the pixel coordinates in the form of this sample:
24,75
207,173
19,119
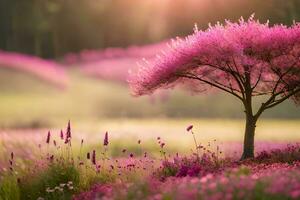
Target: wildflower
94,157
48,190
295,194
190,127
68,132
98,168
61,134
88,155
131,155
66,140
48,137
105,142
162,145
12,155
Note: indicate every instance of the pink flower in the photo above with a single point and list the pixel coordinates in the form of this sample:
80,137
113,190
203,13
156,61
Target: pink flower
94,157
105,141
190,127
61,135
48,137
68,132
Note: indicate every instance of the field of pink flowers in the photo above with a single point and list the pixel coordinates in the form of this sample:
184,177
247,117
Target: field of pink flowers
62,165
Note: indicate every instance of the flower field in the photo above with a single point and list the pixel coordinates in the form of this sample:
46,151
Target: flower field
125,100
66,164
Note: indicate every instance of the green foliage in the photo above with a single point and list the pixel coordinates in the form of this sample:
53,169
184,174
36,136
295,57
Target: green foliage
89,177
9,189
35,186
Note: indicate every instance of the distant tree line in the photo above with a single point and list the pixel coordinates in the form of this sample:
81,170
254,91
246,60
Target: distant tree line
51,28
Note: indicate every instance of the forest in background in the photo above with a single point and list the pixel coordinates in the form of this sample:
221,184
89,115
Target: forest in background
52,28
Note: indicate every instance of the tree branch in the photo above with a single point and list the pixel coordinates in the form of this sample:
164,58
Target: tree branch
282,99
221,87
235,74
258,79
280,77
271,102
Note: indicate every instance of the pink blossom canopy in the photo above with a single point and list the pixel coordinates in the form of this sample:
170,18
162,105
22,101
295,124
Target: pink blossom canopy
224,57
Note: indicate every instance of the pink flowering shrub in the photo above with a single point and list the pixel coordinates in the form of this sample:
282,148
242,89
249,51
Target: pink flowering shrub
115,63
46,70
90,56
114,69
286,155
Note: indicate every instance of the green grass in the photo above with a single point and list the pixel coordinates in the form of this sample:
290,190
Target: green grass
9,188
35,186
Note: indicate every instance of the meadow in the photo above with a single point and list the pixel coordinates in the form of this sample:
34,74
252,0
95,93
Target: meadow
73,128
147,159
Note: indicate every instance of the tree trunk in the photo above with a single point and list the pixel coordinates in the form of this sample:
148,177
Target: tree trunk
248,151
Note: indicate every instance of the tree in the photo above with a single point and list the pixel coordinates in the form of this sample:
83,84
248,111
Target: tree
245,59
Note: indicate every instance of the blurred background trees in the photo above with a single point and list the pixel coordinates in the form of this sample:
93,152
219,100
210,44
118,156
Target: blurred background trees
52,28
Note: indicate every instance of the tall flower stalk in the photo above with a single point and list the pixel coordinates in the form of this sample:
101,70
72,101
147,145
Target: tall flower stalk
105,145
190,129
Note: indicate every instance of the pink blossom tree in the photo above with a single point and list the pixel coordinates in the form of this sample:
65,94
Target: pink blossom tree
245,59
